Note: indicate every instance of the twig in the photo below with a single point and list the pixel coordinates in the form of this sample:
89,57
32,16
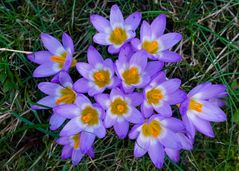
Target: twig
12,50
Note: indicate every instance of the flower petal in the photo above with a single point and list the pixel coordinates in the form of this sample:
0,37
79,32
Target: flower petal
135,116
100,132
134,132
48,101
101,39
171,85
67,110
82,99
146,110
94,56
109,121
189,126
168,40
168,56
76,156
121,128
46,69
65,79
100,23
158,25
83,69
71,128
56,121
139,59
63,140
66,152
153,67
87,139
173,124
81,85
169,139
103,100
138,151
116,17
156,154
172,154
177,97
50,88
136,99
116,92
40,57
136,43
133,20
145,31
164,109
113,50
68,43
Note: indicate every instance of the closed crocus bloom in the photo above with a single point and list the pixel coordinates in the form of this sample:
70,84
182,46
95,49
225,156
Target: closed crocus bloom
98,74
116,31
57,57
154,135
201,107
85,117
134,70
58,94
121,110
71,148
160,94
155,42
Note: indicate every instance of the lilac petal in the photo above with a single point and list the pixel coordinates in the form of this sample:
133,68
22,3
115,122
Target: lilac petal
55,78
82,99
65,79
161,77
164,109
94,56
143,142
145,80
168,40
217,102
125,53
63,140
136,43
113,50
173,124
153,67
45,70
68,43
114,82
87,139
116,17
156,154
109,121
91,152
169,139
210,92
48,101
71,128
100,132
101,39
171,85
139,59
109,64
81,85
183,108
136,99
94,91
133,20
168,56
134,132
100,23
176,97
146,110
145,31
116,92
66,152
50,88
198,88
186,143
135,116
158,25
76,156
52,44
211,112
56,121
68,111
201,125
40,57
68,62
121,128
84,69
103,100
138,151
172,154
189,126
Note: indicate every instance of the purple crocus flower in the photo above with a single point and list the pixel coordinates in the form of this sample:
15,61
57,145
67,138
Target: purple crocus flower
117,31
121,110
155,135
57,57
201,106
160,94
98,74
155,42
134,70
86,118
71,148
58,93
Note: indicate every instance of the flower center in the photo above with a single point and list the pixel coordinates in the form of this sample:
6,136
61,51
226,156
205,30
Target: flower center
194,105
150,46
102,78
68,96
154,96
76,140
151,129
61,59
131,76
119,107
89,116
118,36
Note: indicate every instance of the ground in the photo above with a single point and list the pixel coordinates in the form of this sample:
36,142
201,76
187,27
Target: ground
210,49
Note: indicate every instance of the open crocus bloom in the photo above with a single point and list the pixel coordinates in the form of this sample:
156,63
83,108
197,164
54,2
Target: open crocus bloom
154,136
71,148
120,110
98,74
155,42
117,31
58,93
58,57
201,107
160,94
85,118
134,70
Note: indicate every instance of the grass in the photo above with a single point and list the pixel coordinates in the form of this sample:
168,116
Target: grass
210,49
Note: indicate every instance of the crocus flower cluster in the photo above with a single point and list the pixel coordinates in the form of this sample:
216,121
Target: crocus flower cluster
132,95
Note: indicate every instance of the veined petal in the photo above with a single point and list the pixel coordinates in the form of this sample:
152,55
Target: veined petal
171,85
163,109
198,88
66,152
46,69
101,39
109,121
136,99
133,20
71,128
68,111
113,49
56,121
63,140
87,139
146,110
168,56
81,85
116,16
158,25
168,40
189,126
172,154
169,139
48,101
156,154
153,67
138,151
76,156
65,79
173,124
100,132
94,56
134,132
145,31
50,88
100,23
84,69
116,92
68,43
40,57
177,97
82,99
121,128
135,116
103,100
136,43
